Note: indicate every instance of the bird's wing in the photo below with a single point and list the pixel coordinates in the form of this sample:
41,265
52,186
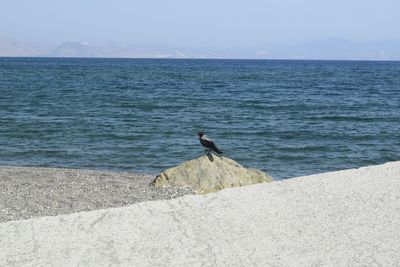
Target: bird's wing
210,144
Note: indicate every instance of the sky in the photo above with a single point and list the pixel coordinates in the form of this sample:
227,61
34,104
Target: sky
199,23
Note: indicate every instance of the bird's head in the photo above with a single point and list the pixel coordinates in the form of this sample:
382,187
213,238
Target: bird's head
200,134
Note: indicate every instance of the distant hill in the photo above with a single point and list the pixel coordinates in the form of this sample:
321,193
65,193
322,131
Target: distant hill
332,48
13,48
76,49
336,49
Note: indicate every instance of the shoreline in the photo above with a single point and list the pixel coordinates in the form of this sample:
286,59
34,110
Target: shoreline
35,191
342,218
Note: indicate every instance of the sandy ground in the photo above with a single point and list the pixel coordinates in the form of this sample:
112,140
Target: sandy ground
344,218
27,192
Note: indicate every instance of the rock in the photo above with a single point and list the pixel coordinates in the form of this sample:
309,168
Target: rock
210,173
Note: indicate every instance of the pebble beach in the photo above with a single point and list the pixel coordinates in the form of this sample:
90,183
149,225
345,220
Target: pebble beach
29,192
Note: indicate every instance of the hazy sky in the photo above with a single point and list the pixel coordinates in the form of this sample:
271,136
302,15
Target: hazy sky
199,23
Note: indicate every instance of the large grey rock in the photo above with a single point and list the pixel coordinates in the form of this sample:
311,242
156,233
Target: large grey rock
210,173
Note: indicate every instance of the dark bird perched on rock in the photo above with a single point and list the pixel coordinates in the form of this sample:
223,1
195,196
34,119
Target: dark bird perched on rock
208,144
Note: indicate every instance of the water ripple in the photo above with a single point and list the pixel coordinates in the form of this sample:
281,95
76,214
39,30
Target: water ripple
288,118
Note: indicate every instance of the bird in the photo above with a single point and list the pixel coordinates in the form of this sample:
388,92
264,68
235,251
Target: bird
208,144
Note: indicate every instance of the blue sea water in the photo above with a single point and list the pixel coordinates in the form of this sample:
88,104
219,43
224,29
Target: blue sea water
288,118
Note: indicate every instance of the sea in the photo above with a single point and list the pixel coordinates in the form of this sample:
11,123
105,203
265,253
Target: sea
287,118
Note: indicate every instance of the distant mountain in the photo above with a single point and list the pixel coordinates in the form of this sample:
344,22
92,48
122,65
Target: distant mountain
12,48
336,49
75,49
332,48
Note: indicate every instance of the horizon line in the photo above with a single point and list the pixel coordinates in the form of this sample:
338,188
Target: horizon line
194,58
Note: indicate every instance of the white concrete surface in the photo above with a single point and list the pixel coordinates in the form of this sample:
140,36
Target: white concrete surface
344,218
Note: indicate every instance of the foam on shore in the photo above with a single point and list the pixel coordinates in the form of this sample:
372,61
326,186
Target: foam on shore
349,217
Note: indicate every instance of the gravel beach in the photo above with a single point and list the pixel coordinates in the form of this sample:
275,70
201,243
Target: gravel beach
28,192
342,218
